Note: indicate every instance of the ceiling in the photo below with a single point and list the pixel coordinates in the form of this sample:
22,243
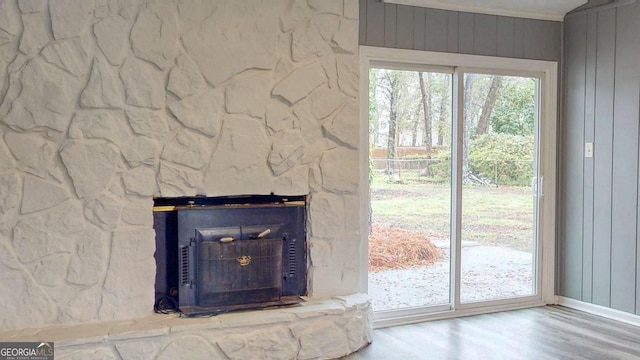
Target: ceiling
533,9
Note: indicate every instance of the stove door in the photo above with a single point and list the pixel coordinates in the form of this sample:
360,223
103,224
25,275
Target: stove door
240,255
239,272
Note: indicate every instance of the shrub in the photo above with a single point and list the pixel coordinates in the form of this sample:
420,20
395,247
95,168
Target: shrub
502,158
441,166
372,171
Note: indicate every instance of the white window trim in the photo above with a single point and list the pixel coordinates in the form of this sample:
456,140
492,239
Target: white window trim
547,71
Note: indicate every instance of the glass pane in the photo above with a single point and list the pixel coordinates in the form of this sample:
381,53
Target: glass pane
499,172
410,178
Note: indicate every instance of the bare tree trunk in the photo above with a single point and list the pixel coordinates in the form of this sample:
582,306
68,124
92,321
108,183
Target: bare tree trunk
442,118
374,119
414,132
466,116
392,90
487,108
426,100
442,123
426,104
392,138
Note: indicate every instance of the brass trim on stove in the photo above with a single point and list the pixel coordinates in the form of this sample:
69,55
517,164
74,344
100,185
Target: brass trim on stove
164,208
244,260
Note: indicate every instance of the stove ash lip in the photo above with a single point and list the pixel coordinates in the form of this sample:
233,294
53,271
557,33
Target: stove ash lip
177,220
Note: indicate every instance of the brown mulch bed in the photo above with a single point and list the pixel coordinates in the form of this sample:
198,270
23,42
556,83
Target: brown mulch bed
393,248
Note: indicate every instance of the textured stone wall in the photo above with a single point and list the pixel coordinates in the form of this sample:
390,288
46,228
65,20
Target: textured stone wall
107,103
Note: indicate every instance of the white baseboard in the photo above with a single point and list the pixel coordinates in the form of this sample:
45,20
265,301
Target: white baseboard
599,310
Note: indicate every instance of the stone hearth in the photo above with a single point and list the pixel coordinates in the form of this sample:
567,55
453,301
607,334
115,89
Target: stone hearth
105,104
317,329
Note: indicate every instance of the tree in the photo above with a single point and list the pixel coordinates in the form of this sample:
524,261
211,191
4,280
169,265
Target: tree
415,128
374,124
487,108
445,102
469,79
426,113
393,122
514,111
390,85
408,105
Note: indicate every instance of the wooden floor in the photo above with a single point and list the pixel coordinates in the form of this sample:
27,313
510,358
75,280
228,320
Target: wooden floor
551,332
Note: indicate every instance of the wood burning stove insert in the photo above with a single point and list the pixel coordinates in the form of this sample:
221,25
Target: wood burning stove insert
220,254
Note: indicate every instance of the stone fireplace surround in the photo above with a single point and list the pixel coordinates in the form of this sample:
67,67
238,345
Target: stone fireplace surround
105,104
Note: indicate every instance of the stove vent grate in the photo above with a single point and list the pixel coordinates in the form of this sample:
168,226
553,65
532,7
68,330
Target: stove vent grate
184,265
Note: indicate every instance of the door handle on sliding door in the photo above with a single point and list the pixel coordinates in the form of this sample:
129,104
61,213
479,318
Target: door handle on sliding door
537,188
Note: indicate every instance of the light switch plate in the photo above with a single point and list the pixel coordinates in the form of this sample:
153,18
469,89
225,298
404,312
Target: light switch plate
588,150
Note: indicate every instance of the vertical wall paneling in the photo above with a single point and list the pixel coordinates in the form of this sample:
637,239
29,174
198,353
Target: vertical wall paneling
485,34
550,35
603,157
404,27
608,230
362,18
589,121
438,30
543,33
505,37
629,23
419,26
573,171
466,29
530,33
637,284
390,18
518,38
625,162
452,31
374,24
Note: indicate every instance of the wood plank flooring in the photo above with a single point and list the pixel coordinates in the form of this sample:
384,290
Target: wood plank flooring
551,332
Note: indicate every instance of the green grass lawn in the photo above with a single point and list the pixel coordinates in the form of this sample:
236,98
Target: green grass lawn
499,216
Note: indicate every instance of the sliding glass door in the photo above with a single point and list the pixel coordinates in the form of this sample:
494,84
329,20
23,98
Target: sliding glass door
498,216
455,188
410,182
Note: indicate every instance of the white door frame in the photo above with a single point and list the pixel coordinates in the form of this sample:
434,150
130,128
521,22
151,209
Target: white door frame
547,72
